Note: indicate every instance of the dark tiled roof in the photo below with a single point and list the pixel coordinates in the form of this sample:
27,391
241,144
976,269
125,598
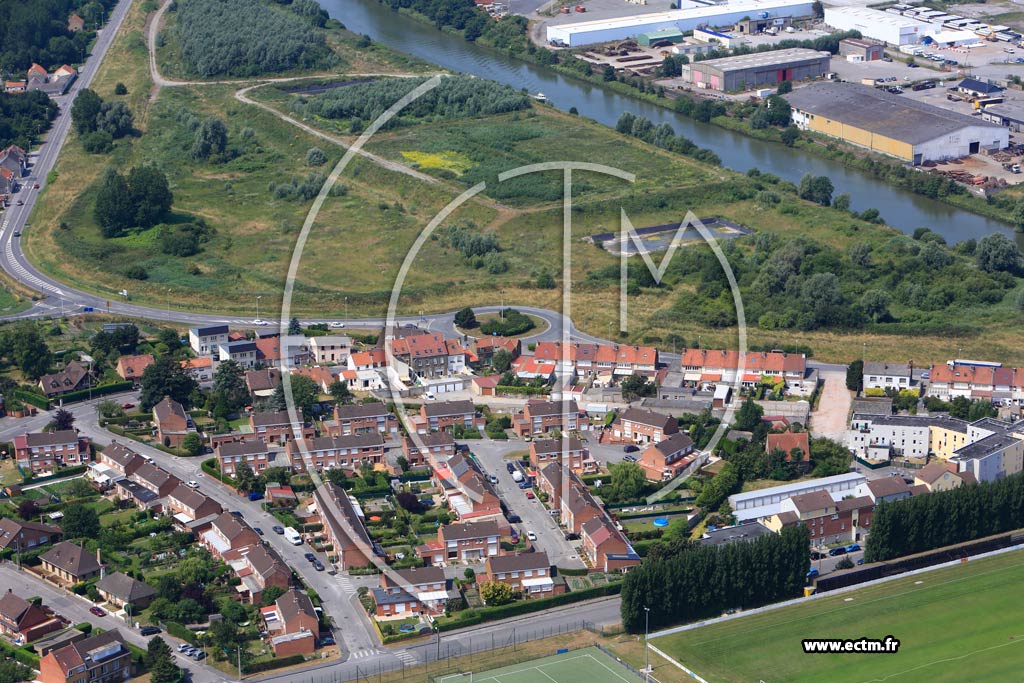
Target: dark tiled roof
71,558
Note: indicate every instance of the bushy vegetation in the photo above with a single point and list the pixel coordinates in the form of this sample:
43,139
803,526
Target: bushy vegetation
24,117
455,97
510,323
920,523
686,581
139,200
37,31
463,15
245,38
829,43
99,123
663,136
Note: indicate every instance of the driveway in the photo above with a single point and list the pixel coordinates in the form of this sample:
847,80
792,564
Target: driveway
830,419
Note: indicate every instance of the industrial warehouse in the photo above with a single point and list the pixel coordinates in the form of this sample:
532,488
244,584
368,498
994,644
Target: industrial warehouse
691,15
907,129
744,72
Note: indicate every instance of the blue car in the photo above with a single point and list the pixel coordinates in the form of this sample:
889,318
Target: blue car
813,573
853,547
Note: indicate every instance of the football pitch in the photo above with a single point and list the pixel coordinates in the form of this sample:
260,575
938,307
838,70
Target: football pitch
587,664
955,625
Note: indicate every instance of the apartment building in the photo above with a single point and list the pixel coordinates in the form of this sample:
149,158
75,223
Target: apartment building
410,592
346,452
243,351
430,355
102,658
640,426
331,350
206,340
885,375
279,428
443,416
344,527
568,450
605,362
540,417
440,446
469,542
707,368
254,453
828,521
363,418
44,452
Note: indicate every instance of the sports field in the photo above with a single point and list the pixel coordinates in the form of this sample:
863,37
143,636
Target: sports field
588,664
955,625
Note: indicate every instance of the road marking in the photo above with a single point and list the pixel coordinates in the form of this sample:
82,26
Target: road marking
363,654
26,276
408,658
347,587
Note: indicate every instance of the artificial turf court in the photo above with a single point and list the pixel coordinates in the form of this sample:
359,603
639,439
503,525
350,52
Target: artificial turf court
962,624
588,665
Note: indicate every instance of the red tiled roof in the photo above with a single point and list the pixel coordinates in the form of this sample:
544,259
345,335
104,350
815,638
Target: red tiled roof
787,441
756,361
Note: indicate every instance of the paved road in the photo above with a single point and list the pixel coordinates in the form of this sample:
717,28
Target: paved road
830,419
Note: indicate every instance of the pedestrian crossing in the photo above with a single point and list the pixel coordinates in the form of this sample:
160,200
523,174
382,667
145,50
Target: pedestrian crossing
363,654
408,658
347,586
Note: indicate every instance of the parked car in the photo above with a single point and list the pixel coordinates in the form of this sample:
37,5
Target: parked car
97,611
318,565
514,518
149,630
310,557
192,484
529,494
629,458
835,552
572,537
853,547
182,647
36,186
493,478
278,529
532,536
255,496
510,467
17,233
198,655
236,513
814,572
326,641
258,530
860,561
126,406
630,448
815,555
524,485
21,203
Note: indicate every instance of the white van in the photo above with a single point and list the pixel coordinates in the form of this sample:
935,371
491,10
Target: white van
292,536
517,476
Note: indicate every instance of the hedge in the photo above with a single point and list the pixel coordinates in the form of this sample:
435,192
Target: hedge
21,656
572,572
30,398
415,475
179,631
66,472
270,664
210,467
527,391
371,492
103,390
471,617
85,627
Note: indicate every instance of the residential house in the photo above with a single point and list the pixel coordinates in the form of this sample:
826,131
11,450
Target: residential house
665,459
486,347
937,476
130,368
138,495
21,536
103,658
828,521
200,369
346,452
469,542
885,488
292,624
228,536
639,426
75,23
430,354
260,567
159,481
120,459
606,548
529,368
440,446
15,160
172,422
707,368
261,383
409,592
330,350
605,363
527,573
485,386
206,340
187,505
344,527
464,489
976,380
243,351
443,416
576,505
549,481
254,453
289,351
367,366
70,563
120,589
796,446
568,450
363,418
886,375
74,377
279,428
540,417
49,451
23,621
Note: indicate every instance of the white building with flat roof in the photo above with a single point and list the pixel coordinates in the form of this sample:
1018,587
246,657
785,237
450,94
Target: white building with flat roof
872,23
686,19
767,502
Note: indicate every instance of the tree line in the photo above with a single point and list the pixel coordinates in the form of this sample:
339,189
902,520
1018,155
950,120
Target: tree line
24,117
921,523
244,38
455,97
507,33
139,200
685,581
37,31
664,137
99,123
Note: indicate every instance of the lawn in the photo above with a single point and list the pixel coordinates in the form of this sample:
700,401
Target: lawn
9,473
957,624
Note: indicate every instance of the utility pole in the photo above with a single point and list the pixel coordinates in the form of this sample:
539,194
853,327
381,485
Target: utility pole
258,297
647,651
238,649
501,311
346,308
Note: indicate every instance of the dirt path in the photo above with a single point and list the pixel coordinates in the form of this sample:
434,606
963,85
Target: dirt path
829,419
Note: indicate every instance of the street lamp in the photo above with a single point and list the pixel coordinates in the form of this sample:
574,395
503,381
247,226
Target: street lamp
346,308
647,651
501,311
258,297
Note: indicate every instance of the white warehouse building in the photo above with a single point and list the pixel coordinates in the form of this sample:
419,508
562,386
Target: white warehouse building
884,26
686,19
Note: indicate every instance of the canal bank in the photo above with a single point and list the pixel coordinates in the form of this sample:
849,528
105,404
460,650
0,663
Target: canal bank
900,208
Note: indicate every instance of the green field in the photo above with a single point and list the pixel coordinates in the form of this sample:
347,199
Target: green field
963,623
589,664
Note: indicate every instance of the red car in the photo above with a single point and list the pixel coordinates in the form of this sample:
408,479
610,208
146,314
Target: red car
97,611
529,494
36,186
126,406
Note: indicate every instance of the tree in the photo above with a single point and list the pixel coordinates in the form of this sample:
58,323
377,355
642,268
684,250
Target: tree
495,593
855,375
784,87
211,139
63,419
545,281
409,502
156,648
789,135
816,189
28,509
305,393
315,157
120,89
845,563
608,74
80,522
165,377
859,253
637,386
294,326
627,481
85,110
223,634
25,346
115,119
13,672
465,318
339,391
270,594
748,417
113,211
501,361
229,386
164,670
151,194
875,303
403,463
996,253
245,478
192,444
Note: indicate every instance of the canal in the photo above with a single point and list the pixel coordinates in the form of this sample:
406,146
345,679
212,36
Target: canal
900,208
